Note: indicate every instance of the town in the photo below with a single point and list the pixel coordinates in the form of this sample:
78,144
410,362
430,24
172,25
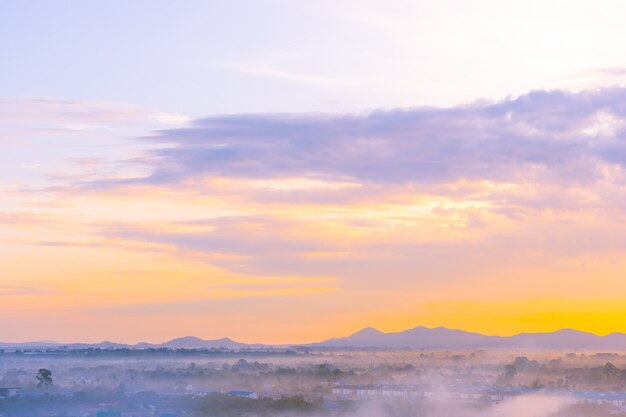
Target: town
306,381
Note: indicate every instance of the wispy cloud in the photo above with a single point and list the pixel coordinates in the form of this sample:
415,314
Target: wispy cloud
268,72
9,290
41,110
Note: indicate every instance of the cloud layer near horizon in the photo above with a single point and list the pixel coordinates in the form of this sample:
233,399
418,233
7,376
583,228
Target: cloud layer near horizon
410,214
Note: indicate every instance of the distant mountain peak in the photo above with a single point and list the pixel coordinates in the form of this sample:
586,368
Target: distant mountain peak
193,342
573,331
368,331
187,339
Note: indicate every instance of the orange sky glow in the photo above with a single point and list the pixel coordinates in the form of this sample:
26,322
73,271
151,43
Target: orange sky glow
290,184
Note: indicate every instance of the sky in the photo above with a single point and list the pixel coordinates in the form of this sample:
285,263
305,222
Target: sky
289,171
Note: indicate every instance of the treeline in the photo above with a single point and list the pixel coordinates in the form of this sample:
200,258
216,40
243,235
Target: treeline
149,402
149,352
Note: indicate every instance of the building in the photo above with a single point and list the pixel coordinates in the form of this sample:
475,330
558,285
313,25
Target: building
243,394
10,392
108,414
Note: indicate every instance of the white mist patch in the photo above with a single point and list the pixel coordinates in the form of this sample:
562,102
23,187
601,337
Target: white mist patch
530,405
533,405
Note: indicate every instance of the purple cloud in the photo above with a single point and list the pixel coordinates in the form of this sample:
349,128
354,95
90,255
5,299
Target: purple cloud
558,132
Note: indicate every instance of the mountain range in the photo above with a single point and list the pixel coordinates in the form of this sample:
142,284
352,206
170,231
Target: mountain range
419,337
188,342
441,337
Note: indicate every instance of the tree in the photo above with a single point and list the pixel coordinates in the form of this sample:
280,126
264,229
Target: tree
44,377
537,384
510,371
